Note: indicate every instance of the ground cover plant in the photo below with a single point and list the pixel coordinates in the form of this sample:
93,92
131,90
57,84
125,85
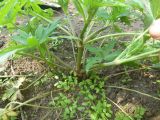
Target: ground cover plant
92,50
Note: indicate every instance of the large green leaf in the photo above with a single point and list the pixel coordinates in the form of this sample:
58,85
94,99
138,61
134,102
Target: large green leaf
42,33
79,6
155,6
136,4
21,37
105,53
33,7
8,52
148,13
110,4
39,36
9,10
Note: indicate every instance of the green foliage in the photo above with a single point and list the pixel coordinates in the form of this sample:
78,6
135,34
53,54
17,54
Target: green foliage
80,8
104,53
40,35
78,97
9,10
36,36
27,41
135,47
137,115
137,4
148,13
155,8
86,98
64,5
32,8
122,13
6,114
118,13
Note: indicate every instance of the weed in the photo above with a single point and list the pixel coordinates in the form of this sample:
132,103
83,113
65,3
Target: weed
137,115
83,92
86,99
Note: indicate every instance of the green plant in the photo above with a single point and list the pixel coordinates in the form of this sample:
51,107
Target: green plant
34,40
31,38
86,99
157,82
137,115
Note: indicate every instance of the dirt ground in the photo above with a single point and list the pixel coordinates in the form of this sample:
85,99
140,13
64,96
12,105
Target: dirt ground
141,80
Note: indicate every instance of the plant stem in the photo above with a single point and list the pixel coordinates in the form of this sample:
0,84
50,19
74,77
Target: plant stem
33,82
73,33
124,52
81,42
65,37
71,26
29,101
145,94
110,35
128,71
121,61
91,36
62,62
12,76
85,28
31,105
81,48
120,108
79,56
90,28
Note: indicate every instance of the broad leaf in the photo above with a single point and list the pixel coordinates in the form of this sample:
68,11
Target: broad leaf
156,66
9,10
21,37
79,6
155,8
32,41
105,53
42,33
32,7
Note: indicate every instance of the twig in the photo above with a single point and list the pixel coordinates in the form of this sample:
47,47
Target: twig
92,35
22,114
28,101
144,94
33,82
120,108
31,105
47,114
12,69
128,71
10,76
58,115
